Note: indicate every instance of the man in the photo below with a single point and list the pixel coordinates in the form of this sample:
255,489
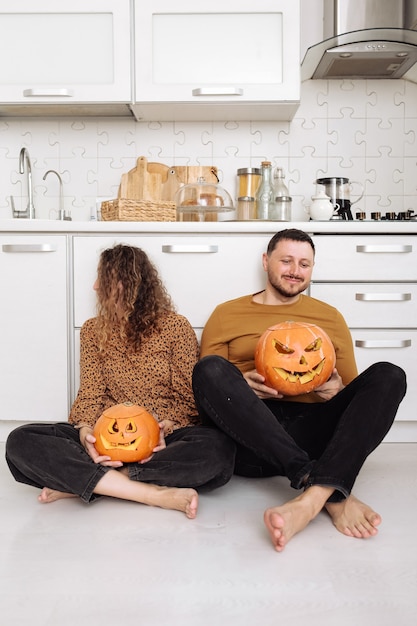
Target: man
318,440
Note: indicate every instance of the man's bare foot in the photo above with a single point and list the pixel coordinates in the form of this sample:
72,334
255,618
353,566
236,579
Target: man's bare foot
354,518
51,495
284,521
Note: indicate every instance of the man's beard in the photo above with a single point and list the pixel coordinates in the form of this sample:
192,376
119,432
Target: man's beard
287,293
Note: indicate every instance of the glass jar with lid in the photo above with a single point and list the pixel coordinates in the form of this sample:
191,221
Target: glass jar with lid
203,202
249,179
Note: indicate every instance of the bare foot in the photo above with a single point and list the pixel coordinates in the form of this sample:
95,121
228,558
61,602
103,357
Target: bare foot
192,506
284,521
354,518
117,484
185,500
51,495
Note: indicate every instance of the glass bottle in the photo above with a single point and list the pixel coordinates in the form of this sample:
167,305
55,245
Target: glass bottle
280,188
281,209
265,193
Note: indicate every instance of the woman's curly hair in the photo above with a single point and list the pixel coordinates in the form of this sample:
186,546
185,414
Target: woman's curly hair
131,296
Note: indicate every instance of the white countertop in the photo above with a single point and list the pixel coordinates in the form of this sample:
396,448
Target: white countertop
336,227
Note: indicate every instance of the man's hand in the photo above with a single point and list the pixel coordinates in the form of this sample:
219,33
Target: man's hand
331,387
256,383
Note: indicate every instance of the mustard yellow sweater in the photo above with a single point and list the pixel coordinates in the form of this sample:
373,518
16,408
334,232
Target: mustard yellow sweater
233,329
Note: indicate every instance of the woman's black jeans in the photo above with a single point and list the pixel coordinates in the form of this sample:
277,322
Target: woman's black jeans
50,455
323,443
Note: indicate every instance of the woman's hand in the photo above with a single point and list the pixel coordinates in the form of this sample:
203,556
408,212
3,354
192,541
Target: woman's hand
88,440
161,443
256,383
331,387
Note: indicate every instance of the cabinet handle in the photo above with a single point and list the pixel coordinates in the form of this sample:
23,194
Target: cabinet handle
28,247
383,297
383,343
48,93
217,91
372,248
175,248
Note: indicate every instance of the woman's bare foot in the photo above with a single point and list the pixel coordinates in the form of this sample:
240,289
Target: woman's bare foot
284,521
117,484
185,500
178,499
51,495
354,518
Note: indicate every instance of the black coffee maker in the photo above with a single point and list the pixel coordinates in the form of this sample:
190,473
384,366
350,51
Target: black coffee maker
338,189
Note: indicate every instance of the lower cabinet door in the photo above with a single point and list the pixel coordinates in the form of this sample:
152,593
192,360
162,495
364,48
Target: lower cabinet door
33,328
370,305
395,346
199,272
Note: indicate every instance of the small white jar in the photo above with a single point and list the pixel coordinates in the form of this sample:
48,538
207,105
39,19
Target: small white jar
321,207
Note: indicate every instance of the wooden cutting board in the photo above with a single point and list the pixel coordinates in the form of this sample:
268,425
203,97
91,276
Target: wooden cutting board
186,175
144,182
157,182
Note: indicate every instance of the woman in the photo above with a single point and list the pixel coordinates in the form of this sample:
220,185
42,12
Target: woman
139,350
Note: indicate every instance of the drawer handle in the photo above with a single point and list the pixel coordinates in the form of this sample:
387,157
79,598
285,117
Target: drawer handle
372,248
383,343
202,248
48,93
28,247
217,91
383,297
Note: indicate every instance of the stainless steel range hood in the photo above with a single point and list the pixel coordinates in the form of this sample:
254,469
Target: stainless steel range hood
365,39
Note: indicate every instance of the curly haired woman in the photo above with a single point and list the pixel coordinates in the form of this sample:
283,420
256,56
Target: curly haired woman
137,349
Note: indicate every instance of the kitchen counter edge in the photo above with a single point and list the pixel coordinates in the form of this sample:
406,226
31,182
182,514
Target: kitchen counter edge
195,228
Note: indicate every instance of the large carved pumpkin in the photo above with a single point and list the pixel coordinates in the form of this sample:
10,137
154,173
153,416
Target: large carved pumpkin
295,357
126,432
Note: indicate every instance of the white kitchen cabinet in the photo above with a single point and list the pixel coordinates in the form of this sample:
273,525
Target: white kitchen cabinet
34,355
199,271
67,52
372,305
372,280
231,60
365,258
370,277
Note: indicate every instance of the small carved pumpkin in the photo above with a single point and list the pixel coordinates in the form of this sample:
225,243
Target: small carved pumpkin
295,357
126,432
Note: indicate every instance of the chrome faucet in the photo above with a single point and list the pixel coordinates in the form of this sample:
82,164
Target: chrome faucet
61,194
24,158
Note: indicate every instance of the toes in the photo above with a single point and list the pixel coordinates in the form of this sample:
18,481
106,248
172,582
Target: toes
374,520
363,530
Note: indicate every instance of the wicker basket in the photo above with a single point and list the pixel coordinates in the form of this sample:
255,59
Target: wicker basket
125,210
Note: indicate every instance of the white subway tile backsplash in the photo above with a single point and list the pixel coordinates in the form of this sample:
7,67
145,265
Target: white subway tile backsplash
364,130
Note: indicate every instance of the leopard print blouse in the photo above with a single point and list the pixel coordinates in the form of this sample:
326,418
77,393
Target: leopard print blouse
158,377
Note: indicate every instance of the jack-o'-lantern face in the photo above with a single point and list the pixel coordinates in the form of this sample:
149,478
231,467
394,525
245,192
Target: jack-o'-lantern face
126,432
295,357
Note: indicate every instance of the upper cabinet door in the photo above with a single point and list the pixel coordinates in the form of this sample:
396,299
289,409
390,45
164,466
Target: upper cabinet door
69,51
218,56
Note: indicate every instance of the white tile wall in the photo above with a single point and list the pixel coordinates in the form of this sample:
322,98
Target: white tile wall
365,130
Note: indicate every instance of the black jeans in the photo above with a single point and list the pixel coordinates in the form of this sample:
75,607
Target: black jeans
50,455
325,442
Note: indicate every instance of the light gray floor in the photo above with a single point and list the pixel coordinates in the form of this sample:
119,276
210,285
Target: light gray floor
119,563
